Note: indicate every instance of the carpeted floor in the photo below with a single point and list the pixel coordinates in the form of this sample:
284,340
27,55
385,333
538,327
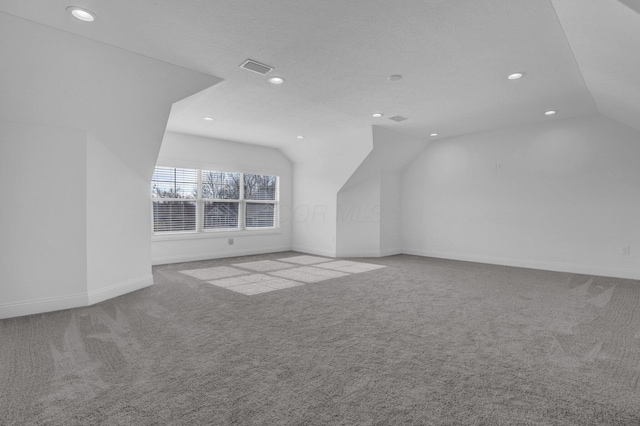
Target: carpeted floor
419,342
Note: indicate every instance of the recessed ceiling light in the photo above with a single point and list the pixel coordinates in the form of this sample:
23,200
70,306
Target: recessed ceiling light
207,118
81,14
276,80
395,77
377,114
433,135
550,112
300,137
516,76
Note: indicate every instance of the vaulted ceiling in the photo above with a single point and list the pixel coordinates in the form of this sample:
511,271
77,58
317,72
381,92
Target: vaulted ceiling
454,56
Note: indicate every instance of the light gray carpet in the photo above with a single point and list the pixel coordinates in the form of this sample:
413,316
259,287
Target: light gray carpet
420,342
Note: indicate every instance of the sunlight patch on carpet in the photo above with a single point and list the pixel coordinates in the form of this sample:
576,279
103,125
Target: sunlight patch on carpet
254,284
349,266
305,259
271,275
214,273
309,274
264,265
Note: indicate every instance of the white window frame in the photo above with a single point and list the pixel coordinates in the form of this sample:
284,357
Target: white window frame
200,231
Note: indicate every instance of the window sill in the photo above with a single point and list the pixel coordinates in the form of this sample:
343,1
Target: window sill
214,234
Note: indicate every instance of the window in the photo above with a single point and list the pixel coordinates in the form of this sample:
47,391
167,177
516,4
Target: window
190,200
260,193
174,193
221,197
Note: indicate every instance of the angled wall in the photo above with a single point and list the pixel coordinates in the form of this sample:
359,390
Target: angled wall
84,120
358,221
118,253
42,218
320,169
390,211
368,220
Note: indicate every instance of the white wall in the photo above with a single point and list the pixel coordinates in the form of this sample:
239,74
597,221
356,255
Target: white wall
320,168
368,222
314,210
43,226
118,248
72,87
390,211
565,196
180,150
358,226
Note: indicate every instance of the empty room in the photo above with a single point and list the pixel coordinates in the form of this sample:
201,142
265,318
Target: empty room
328,212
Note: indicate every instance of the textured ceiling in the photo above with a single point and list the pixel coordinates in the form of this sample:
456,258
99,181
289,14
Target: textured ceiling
336,55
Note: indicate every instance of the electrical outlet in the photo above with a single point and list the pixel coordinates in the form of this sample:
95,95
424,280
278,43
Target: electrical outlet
496,167
230,241
626,251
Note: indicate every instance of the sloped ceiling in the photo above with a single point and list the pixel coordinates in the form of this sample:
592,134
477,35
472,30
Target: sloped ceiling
633,4
336,56
605,39
57,79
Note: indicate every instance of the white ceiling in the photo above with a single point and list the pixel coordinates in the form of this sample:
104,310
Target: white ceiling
336,55
605,39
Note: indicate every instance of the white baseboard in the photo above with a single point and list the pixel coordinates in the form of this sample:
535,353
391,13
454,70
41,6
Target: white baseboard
370,253
311,250
359,253
163,260
532,264
40,306
390,252
119,289
30,307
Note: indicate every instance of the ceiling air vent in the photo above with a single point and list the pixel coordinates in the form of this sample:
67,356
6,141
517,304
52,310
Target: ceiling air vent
398,118
254,66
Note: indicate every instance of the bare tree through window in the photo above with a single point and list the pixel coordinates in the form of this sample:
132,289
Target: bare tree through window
205,200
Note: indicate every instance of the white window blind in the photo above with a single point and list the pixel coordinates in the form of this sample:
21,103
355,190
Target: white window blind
262,191
174,192
260,215
170,182
191,200
219,215
225,189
